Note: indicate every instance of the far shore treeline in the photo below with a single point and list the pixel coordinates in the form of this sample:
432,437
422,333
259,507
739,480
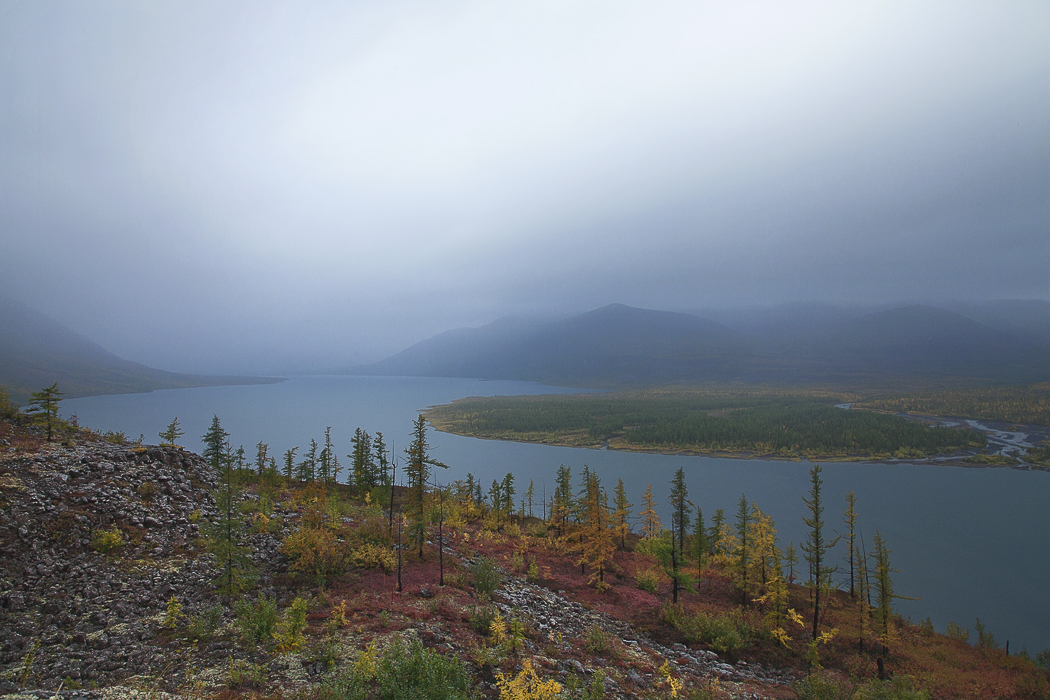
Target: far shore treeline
774,424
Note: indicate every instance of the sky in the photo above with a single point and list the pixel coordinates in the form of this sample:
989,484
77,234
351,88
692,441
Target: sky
275,187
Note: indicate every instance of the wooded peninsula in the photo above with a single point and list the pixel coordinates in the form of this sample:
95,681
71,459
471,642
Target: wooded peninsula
766,423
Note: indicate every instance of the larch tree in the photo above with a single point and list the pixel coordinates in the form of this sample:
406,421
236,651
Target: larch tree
172,433
507,493
597,545
530,496
262,451
681,508
650,520
328,463
699,544
224,534
561,506
791,561
763,546
418,466
216,444
382,462
815,547
743,552
622,515
8,408
43,409
850,518
307,469
362,461
289,462
496,499
715,533
884,594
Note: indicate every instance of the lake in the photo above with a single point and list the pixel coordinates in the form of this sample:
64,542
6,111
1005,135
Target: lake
968,542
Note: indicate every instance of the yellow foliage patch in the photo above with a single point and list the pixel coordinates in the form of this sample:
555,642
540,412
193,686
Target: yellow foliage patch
527,685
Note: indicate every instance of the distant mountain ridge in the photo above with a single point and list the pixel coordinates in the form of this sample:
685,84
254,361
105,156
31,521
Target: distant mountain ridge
619,345
36,351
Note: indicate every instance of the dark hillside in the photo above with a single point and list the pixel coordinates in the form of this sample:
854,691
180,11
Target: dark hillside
616,344
619,346
929,342
36,351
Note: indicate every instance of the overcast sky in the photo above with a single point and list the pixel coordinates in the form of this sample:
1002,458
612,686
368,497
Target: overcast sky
214,186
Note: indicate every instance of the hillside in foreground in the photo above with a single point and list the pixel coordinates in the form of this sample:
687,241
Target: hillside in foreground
110,566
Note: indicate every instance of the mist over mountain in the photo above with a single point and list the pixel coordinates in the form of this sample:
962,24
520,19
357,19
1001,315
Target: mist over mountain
618,345
36,351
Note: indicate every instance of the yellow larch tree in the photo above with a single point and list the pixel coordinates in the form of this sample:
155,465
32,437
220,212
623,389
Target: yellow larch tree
650,520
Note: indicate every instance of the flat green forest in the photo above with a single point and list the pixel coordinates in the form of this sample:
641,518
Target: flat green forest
751,423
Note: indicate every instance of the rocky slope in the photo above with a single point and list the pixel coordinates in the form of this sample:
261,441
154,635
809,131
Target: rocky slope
76,618
75,612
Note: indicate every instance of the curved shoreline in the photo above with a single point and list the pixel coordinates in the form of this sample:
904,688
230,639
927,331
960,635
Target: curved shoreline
954,460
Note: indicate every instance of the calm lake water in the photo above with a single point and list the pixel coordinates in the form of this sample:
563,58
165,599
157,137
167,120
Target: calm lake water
968,542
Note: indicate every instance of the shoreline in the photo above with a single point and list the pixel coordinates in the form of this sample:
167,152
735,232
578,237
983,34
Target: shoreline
945,460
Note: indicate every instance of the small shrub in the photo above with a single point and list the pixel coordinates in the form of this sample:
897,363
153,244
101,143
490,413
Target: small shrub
245,674
481,618
598,642
203,627
337,619
457,580
289,631
726,634
146,491
1042,659
926,628
508,635
647,580
517,562
327,653
403,671
527,686
533,573
512,529
116,437
821,686
256,621
172,613
105,541
597,689
659,548
316,551
956,631
487,576
372,556
985,639
898,688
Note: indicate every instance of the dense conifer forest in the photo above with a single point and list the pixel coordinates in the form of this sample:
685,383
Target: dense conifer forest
770,424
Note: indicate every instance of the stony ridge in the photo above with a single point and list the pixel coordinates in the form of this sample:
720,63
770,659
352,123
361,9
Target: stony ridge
91,615
73,617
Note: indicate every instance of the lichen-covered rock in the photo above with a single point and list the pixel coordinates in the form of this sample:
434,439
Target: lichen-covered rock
84,609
